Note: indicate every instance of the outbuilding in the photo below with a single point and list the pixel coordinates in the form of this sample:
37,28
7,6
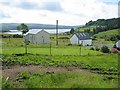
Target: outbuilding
37,36
81,38
118,44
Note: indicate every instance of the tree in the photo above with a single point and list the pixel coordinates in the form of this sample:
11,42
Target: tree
105,49
87,31
24,28
72,31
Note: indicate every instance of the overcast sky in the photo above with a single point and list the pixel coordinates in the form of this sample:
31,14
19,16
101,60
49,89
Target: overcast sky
68,12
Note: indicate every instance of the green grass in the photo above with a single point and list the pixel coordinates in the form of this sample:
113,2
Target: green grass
6,84
63,56
90,62
15,45
89,27
67,50
64,80
103,41
104,37
107,34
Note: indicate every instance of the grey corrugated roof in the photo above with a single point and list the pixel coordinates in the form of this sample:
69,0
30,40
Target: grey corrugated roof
82,36
33,31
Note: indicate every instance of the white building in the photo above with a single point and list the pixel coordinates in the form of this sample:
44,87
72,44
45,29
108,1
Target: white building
118,44
37,36
81,38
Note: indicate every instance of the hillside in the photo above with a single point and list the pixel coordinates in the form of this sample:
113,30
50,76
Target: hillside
12,26
111,35
100,25
111,23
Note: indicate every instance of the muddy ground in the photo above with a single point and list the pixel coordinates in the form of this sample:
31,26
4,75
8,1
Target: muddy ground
13,71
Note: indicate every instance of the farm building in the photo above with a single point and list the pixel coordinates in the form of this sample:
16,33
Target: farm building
116,47
37,36
118,44
81,38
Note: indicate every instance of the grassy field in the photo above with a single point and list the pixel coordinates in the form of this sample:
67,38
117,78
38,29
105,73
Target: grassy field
99,62
103,37
61,56
103,41
107,33
14,46
106,36
62,80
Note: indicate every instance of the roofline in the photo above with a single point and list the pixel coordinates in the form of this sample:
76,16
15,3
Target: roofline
37,32
78,37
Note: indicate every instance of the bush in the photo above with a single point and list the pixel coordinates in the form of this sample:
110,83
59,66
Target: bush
97,49
91,48
52,38
94,38
63,37
105,49
69,44
17,36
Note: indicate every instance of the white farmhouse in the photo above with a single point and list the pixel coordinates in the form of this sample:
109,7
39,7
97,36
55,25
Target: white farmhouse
81,38
37,36
118,44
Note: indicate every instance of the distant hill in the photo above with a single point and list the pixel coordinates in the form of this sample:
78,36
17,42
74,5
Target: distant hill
100,25
112,23
12,26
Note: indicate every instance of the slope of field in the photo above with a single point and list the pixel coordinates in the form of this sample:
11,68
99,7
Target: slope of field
74,79
107,34
82,29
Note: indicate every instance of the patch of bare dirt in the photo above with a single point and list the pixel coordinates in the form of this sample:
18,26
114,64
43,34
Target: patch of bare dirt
13,71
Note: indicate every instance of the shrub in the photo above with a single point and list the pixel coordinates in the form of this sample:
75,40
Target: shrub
17,36
91,48
52,38
105,49
63,37
97,49
94,38
69,44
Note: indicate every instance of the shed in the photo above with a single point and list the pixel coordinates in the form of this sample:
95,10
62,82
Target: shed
118,44
37,36
81,38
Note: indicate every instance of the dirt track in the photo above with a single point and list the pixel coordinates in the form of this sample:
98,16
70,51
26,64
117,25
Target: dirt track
13,71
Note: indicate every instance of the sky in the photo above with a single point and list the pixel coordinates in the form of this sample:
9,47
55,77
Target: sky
68,12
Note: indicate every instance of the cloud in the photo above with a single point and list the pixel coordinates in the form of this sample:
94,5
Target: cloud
90,9
119,9
68,12
52,6
4,15
26,5
111,3
5,3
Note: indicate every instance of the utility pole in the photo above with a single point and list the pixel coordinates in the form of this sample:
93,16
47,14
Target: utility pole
81,48
56,32
50,49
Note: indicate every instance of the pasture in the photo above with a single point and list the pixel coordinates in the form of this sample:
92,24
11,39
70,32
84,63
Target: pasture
107,34
95,69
